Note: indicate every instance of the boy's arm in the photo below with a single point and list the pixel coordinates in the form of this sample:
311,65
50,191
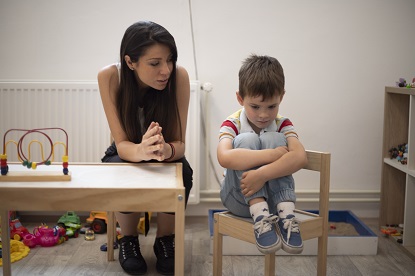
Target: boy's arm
289,163
245,159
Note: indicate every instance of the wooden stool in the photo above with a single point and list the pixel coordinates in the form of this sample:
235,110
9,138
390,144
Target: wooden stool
311,225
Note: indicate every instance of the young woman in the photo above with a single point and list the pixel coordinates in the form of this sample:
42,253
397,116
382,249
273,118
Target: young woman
146,100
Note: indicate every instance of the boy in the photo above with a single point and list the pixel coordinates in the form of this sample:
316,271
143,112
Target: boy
260,150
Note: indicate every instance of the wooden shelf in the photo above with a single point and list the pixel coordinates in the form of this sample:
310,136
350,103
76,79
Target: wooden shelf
398,180
399,166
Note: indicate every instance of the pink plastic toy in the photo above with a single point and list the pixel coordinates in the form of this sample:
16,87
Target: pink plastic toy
45,236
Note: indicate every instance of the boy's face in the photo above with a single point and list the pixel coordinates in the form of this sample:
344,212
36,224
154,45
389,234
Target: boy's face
260,113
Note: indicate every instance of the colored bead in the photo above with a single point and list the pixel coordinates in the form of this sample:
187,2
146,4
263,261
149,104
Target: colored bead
47,163
65,158
4,170
3,156
29,165
3,162
65,171
34,166
65,164
25,163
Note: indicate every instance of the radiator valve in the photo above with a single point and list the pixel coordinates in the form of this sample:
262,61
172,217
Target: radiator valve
207,86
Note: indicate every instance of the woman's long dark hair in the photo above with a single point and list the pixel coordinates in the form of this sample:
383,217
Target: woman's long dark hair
159,106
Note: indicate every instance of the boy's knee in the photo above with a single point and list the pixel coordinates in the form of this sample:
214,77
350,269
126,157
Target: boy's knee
247,140
272,140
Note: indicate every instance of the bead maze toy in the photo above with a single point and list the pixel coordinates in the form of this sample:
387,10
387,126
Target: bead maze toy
27,162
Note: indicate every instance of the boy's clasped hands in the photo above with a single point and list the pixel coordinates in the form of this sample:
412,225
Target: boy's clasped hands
253,180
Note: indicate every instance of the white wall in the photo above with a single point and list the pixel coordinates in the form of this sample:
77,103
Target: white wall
337,57
72,40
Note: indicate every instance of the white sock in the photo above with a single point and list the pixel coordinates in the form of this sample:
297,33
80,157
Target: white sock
285,208
259,209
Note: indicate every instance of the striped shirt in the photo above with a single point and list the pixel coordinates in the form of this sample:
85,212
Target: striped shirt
238,123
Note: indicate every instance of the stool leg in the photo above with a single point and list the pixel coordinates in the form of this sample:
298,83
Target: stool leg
269,265
217,247
322,255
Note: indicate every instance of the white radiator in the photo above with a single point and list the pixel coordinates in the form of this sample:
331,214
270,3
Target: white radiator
75,107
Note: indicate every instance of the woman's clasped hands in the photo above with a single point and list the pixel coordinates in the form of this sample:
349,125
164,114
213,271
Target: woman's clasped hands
152,145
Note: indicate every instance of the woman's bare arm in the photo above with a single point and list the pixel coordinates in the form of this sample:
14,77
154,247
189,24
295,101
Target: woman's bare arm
108,83
183,98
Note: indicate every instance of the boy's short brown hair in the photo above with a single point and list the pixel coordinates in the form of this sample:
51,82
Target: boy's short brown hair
261,76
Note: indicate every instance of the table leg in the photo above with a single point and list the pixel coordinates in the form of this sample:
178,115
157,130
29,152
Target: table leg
111,228
5,239
179,238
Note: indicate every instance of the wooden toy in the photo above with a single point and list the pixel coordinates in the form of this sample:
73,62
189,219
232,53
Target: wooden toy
27,162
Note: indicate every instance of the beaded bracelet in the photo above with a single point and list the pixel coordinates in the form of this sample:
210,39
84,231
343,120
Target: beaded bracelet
173,152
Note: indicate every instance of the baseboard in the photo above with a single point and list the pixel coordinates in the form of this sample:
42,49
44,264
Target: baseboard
46,218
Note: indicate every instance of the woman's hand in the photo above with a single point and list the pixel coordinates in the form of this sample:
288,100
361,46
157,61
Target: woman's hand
152,144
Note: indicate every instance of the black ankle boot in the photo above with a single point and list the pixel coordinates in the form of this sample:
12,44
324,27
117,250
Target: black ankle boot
164,250
130,256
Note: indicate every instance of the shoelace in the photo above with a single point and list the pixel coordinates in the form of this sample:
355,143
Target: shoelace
129,248
168,246
291,225
265,224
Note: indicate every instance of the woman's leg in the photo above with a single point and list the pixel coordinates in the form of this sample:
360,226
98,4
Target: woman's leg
165,224
130,257
164,243
166,221
128,223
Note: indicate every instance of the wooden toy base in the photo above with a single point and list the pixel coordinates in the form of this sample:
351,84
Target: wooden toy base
35,176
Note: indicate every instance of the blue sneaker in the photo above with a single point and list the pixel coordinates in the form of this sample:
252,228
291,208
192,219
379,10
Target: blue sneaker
289,232
267,239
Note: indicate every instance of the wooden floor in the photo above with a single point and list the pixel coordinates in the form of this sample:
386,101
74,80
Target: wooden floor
80,257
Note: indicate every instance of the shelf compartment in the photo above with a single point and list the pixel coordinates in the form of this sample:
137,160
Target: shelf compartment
408,235
392,195
399,166
396,121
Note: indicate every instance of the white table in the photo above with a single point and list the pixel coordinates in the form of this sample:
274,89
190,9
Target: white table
153,187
